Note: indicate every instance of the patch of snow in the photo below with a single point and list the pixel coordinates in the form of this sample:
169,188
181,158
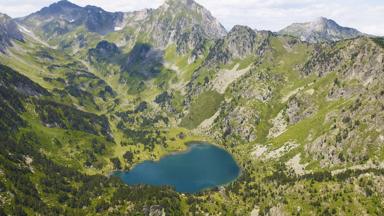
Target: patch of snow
32,35
118,28
23,29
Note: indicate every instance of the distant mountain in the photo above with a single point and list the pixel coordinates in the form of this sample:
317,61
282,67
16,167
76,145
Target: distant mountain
8,32
183,22
63,17
320,30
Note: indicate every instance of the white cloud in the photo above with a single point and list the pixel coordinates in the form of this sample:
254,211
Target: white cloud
365,15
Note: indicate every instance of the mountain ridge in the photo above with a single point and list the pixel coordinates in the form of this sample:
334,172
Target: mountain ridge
320,30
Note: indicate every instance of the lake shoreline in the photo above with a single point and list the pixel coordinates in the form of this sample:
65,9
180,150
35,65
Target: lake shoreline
200,167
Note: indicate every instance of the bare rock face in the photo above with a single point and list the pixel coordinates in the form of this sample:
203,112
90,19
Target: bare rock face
239,122
240,42
299,108
199,16
8,32
360,59
178,20
154,210
320,30
193,40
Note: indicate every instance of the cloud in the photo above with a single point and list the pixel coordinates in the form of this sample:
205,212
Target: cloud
365,15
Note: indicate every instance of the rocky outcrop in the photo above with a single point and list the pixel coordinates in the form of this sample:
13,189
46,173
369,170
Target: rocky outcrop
103,51
238,122
360,59
240,42
256,84
194,41
154,210
320,30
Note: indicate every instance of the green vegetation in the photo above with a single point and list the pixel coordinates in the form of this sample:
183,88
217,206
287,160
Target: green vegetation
205,106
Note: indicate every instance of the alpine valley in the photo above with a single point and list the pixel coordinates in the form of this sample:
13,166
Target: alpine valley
85,92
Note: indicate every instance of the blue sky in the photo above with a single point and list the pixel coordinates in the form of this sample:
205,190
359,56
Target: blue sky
365,15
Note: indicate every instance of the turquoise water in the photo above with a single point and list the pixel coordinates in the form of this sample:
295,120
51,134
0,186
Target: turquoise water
202,166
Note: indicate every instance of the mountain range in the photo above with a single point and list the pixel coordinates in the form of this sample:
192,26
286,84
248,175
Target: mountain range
85,92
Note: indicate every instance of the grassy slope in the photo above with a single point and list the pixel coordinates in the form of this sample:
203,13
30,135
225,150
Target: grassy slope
205,106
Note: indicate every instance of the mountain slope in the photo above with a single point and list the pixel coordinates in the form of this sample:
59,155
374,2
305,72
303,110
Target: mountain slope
320,30
8,32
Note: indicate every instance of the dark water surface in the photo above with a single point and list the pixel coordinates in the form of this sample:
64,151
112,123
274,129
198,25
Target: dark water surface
202,166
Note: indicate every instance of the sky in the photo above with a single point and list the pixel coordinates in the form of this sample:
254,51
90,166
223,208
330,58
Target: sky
365,15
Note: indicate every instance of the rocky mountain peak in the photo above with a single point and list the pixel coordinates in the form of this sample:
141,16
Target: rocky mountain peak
241,30
176,20
320,30
322,20
62,6
62,17
241,41
182,2
190,14
3,17
322,24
